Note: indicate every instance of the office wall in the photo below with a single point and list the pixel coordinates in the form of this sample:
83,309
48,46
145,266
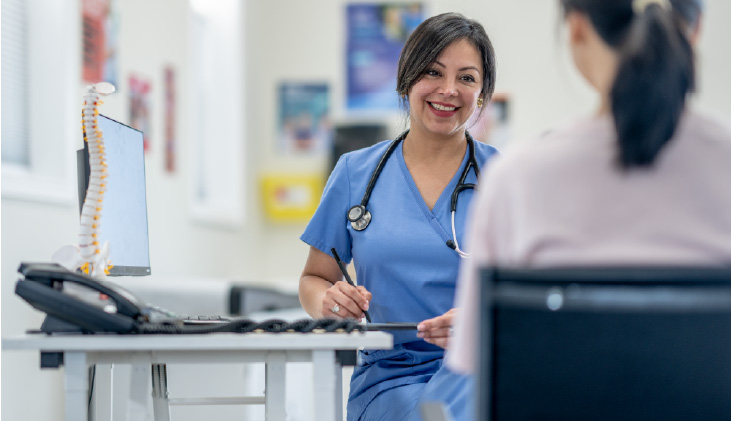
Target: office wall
534,68
305,43
152,35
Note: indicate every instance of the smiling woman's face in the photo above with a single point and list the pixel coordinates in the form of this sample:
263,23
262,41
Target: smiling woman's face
445,97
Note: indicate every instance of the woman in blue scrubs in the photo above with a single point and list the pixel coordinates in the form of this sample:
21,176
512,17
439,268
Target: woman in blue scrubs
406,258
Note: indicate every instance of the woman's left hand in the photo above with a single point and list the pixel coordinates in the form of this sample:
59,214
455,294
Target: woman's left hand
437,330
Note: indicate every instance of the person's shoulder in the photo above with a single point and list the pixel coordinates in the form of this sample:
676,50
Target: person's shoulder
561,142
541,156
574,131
707,123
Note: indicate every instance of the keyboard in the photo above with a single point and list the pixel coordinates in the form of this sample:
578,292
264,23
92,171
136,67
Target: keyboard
204,320
157,314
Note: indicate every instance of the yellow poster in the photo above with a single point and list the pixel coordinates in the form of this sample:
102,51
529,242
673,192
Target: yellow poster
291,197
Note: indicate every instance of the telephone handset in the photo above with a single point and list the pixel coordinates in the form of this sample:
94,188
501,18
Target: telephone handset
75,302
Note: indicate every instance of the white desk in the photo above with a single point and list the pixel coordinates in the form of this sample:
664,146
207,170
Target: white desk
274,349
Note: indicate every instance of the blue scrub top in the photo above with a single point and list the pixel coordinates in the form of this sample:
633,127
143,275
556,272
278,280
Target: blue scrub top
401,258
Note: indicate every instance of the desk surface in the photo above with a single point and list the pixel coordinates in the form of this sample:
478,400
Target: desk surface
208,342
275,349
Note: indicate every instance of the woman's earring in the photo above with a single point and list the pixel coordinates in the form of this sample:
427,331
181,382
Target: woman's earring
479,102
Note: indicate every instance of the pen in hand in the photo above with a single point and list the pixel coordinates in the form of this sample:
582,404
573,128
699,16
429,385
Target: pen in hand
347,277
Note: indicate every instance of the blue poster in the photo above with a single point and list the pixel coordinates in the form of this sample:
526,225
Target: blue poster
376,35
304,117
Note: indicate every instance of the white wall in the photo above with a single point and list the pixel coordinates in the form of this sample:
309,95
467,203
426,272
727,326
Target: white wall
152,35
292,40
533,68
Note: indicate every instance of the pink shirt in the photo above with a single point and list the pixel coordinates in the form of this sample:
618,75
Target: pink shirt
560,200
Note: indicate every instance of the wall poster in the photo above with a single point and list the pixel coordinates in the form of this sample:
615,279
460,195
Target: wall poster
375,36
170,94
139,106
291,197
100,40
493,125
304,117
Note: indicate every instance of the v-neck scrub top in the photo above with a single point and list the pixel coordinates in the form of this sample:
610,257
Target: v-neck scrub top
401,258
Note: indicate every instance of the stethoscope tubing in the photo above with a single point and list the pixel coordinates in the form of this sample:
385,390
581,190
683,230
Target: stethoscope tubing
454,237
360,218
379,167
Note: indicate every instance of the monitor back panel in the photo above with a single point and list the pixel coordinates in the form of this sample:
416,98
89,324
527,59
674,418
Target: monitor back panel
124,210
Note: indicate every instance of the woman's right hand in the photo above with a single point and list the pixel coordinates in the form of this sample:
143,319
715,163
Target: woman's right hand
322,287
349,301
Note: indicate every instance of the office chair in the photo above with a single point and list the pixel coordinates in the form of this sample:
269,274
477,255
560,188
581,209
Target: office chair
605,344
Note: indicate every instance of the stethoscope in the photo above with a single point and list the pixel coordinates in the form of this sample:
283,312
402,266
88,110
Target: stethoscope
360,217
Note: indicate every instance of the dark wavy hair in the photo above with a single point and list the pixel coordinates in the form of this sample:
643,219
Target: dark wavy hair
427,42
656,70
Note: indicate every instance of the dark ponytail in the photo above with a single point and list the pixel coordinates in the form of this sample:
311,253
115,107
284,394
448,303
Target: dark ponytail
654,75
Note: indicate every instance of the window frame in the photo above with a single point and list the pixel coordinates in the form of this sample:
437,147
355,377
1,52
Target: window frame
54,125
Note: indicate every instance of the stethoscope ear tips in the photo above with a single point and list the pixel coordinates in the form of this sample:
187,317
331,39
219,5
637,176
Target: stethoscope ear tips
359,217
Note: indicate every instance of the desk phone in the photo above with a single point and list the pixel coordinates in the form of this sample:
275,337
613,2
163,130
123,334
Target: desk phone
75,302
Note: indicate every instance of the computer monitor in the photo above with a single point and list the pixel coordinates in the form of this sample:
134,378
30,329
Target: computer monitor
124,213
351,137
604,344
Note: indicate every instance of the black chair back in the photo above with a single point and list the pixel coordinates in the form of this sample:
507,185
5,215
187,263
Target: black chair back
605,344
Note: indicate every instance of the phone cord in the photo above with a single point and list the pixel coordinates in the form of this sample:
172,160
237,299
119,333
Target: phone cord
250,326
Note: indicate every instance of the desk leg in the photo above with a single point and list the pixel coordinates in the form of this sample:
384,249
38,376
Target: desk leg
76,383
327,377
160,406
102,389
139,392
274,395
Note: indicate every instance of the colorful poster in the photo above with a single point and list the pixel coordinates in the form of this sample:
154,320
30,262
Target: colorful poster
100,40
304,117
169,79
492,126
139,107
376,35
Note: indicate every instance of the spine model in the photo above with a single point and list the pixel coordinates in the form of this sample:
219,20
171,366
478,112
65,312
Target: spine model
89,255
93,255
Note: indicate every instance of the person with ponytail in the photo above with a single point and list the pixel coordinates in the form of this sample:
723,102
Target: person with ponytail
644,180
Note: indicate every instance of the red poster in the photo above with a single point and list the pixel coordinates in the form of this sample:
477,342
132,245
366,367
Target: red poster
99,41
139,106
94,13
169,119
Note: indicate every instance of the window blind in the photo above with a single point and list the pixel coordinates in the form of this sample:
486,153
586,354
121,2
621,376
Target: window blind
15,137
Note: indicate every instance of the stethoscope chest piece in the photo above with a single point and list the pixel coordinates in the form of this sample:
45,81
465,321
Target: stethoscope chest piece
359,217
